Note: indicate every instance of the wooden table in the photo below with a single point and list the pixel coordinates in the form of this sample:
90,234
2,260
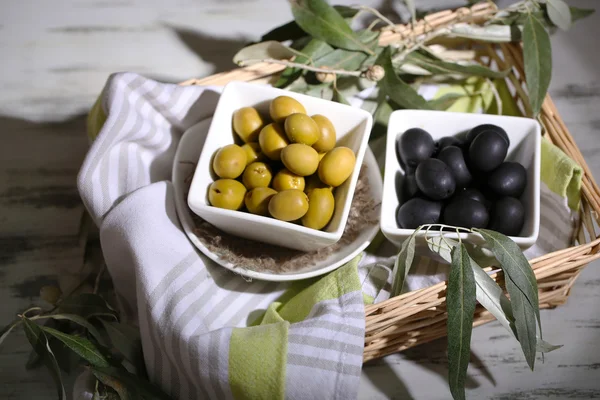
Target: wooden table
56,57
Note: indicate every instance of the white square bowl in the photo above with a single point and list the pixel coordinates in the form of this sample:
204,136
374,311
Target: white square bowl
353,127
525,148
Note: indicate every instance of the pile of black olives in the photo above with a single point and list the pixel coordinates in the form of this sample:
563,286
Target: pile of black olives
286,168
460,181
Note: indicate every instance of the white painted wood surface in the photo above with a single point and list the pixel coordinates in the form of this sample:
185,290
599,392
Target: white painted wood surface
55,57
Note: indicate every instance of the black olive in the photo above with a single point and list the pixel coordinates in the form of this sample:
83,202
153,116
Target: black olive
508,216
414,146
409,187
466,213
486,127
453,157
509,179
435,179
487,151
444,142
470,193
418,211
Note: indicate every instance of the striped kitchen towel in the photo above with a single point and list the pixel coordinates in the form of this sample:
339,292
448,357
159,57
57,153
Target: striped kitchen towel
206,332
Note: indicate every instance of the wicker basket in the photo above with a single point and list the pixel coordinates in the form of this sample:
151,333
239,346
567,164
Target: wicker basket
420,316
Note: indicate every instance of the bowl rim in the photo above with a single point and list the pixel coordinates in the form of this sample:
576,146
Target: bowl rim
470,237
327,238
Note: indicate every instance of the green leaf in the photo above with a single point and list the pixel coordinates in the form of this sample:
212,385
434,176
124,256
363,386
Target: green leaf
580,13
338,97
440,67
410,4
322,21
346,59
83,322
128,384
314,50
67,360
524,314
489,294
398,90
126,339
261,51
545,347
460,302
488,33
7,329
559,13
515,265
86,305
81,346
39,342
287,31
403,263
445,102
537,55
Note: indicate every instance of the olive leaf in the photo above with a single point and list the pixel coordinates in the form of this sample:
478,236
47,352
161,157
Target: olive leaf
537,55
460,302
86,305
346,59
39,342
488,33
515,265
81,346
7,329
410,4
444,102
291,30
338,97
440,67
559,13
403,263
128,385
580,13
83,322
522,288
322,21
261,51
398,90
314,50
126,339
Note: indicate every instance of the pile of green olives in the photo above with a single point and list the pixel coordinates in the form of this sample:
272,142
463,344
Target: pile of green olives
286,166
460,181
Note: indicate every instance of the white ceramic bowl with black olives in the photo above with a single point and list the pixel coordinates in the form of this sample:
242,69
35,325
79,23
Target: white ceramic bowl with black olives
461,169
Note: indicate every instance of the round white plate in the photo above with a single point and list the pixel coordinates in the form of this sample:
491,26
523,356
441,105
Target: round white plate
186,158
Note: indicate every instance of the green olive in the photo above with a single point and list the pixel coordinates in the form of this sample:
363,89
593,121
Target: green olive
327,137
226,193
285,180
301,159
321,155
313,182
288,205
283,106
272,140
300,128
247,123
253,153
257,174
229,162
336,166
320,209
257,200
